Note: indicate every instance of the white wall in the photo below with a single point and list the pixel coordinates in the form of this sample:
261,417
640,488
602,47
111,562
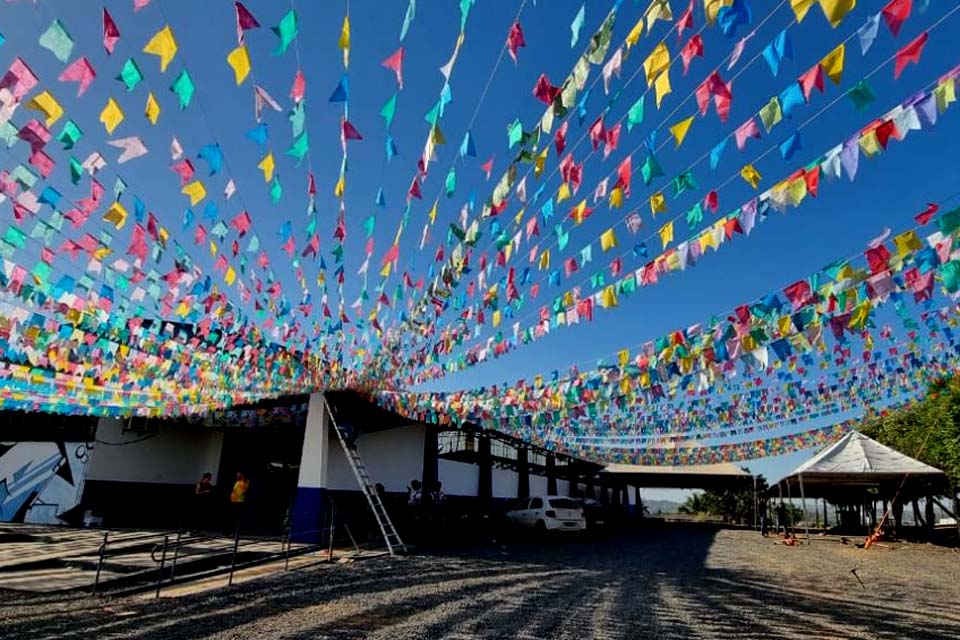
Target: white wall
563,487
505,483
459,478
175,455
393,457
538,485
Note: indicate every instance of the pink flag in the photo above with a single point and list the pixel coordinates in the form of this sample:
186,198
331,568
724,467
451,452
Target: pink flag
685,21
184,169
140,4
261,98
560,139
395,64
110,32
693,48
488,167
42,162
748,129
19,79
895,14
80,70
245,20
813,77
544,91
241,222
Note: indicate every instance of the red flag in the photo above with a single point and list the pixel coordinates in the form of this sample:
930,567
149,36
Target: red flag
927,214
395,64
896,13
560,140
515,40
350,132
812,78
885,131
693,48
299,87
712,201
245,21
488,167
909,53
544,91
597,133
812,178
414,191
624,173
110,32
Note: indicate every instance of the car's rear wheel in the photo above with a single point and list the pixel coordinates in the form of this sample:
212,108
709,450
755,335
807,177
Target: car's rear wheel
540,527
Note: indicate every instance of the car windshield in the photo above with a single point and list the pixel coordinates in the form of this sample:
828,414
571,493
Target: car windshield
564,503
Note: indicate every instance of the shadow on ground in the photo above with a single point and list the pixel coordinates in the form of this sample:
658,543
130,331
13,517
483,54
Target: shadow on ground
663,584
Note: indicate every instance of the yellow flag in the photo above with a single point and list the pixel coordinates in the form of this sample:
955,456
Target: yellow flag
578,211
385,272
266,165
907,242
679,130
616,198
832,64
196,192
46,104
836,10
662,86
751,175
657,62
162,44
496,318
117,215
540,162
635,33
711,7
338,188
666,234
609,298
870,143
111,116
433,212
239,61
344,42
945,94
608,240
544,260
623,357
152,110
658,204
800,8
230,276
771,114
563,193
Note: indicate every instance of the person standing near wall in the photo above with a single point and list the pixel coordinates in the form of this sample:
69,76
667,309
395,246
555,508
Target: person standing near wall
202,501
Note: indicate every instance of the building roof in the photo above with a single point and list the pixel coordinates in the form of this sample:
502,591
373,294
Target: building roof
707,476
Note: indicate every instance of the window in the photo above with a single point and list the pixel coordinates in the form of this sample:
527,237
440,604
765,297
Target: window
564,503
536,503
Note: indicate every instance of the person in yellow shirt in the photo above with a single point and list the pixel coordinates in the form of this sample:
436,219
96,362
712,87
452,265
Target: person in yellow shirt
238,497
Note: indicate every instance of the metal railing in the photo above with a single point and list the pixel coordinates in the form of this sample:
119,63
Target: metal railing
172,550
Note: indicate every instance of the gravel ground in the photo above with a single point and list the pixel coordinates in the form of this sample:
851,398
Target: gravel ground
681,583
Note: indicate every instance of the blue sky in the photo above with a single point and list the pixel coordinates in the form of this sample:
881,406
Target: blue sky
887,192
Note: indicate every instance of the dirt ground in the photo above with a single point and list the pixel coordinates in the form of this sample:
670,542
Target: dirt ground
681,583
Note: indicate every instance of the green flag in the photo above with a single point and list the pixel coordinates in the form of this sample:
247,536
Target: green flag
130,74
286,31
388,110
183,87
57,41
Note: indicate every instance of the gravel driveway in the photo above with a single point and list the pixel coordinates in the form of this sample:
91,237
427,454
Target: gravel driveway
682,583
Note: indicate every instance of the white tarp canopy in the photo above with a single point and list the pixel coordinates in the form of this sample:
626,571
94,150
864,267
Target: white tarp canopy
707,476
859,462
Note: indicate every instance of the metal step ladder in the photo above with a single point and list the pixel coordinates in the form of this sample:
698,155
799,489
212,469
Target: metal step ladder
390,536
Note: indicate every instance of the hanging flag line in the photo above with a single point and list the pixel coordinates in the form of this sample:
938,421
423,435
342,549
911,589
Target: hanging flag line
722,185
629,215
456,282
600,300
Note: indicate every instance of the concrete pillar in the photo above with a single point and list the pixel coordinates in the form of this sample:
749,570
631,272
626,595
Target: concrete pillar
604,495
523,473
431,464
485,469
307,518
551,475
638,499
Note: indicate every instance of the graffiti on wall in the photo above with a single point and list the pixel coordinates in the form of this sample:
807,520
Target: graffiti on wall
41,482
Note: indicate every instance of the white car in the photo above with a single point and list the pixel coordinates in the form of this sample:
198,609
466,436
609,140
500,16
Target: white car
548,513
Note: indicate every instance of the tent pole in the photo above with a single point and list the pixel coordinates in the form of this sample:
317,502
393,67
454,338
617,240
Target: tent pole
803,503
754,503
